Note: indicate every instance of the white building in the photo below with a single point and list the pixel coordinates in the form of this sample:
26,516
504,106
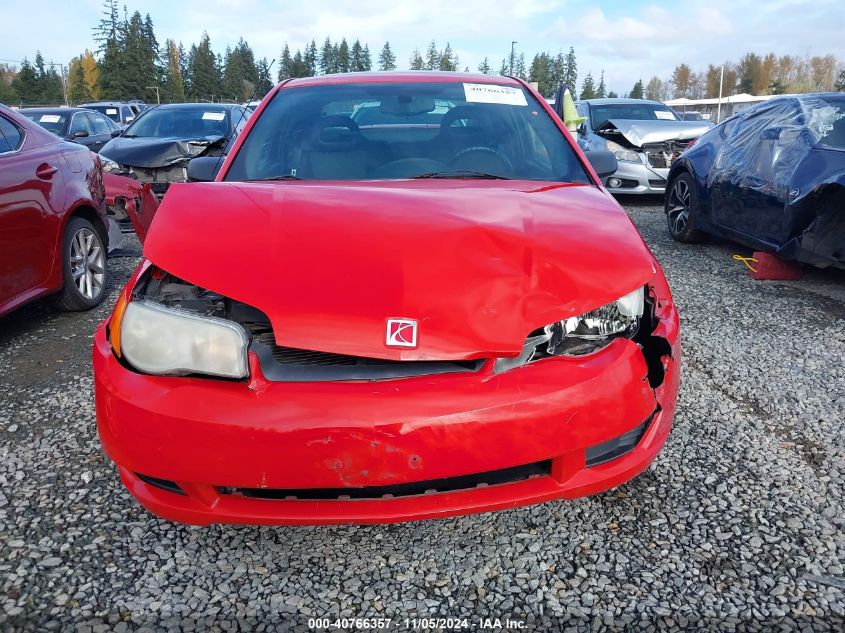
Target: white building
717,110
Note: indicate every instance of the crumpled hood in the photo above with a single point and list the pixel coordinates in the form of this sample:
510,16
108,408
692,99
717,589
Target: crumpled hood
478,265
151,153
639,133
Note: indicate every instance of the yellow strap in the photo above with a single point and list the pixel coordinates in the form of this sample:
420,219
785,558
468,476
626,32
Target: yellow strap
745,261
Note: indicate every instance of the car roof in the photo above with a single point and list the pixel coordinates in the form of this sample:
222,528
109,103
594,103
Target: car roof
90,103
613,100
54,110
179,106
408,76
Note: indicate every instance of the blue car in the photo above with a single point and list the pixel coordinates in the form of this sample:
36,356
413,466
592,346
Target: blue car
771,177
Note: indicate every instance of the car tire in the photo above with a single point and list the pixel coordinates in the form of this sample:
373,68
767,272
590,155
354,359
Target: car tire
681,206
83,266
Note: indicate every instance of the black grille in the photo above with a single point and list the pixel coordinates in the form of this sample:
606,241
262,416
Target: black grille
432,486
618,446
299,365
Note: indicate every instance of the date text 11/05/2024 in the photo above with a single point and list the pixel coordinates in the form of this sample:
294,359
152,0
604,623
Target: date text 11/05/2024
415,623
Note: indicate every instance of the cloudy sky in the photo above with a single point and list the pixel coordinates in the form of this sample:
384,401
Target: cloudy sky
628,39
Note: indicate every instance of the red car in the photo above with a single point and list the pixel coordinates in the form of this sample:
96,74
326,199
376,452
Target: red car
53,235
405,296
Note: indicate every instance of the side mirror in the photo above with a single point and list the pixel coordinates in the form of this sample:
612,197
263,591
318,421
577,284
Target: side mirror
203,168
603,161
116,133
80,134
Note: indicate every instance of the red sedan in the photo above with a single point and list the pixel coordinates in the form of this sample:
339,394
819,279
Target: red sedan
405,296
53,234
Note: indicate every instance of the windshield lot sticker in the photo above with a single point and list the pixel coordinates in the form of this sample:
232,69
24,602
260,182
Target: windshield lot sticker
489,93
111,110
49,118
213,116
664,115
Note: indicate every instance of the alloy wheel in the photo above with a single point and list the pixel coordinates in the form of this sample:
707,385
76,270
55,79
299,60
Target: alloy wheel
679,203
87,263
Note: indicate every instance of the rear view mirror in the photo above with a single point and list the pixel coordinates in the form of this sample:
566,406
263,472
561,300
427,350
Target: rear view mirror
80,134
203,168
603,161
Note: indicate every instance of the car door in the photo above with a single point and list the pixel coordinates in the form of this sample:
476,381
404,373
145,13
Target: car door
30,179
102,127
81,131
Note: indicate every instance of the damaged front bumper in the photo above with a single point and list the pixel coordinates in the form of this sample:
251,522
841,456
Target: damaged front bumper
637,178
205,451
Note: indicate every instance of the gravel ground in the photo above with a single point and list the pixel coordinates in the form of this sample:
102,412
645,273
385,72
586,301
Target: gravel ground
737,525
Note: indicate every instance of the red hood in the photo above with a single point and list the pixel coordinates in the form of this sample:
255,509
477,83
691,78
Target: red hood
478,264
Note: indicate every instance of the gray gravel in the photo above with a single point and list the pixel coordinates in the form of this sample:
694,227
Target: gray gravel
737,526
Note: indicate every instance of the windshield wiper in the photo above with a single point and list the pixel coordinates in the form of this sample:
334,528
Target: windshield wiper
279,177
462,173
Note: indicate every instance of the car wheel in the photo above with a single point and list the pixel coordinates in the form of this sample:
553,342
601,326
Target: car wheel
682,208
83,266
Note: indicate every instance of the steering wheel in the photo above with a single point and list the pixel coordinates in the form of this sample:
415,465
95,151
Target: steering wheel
488,152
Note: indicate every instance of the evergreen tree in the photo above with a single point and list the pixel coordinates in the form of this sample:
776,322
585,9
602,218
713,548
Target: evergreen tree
298,68
284,64
366,59
77,90
448,59
343,59
386,59
203,71
558,70
173,90
110,37
265,83
541,72
432,57
484,67
328,63
588,88
570,69
25,83
504,69
417,62
638,90
612,95
601,91
356,62
240,74
310,59
519,66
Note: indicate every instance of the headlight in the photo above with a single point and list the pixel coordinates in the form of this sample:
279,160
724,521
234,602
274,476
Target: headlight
623,153
165,341
581,334
109,166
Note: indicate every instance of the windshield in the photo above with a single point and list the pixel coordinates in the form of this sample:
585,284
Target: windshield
192,122
827,122
600,114
53,122
112,112
378,131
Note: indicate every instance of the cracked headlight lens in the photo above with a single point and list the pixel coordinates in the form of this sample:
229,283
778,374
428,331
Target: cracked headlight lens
581,334
623,153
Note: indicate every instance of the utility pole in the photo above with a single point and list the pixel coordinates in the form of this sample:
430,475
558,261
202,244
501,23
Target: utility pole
158,98
512,45
719,106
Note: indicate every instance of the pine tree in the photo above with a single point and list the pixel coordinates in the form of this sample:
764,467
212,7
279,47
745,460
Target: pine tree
328,62
265,83
519,66
356,62
541,72
484,67
343,60
8,94
173,90
240,75
310,59
504,69
588,88
570,70
284,64
637,90
25,83
416,62
110,37
601,91
448,60
203,71
386,59
366,59
432,57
